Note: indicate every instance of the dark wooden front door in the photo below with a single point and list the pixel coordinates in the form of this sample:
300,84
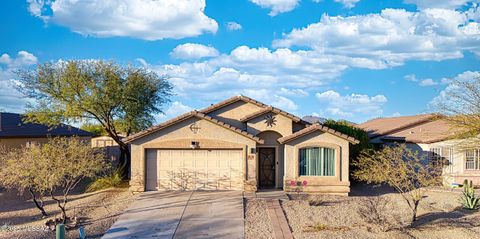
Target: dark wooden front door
266,173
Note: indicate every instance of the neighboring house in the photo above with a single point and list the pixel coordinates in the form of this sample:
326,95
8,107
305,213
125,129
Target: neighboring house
110,147
14,133
240,144
431,135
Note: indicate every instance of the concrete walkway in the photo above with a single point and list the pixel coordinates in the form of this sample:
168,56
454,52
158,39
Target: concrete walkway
197,214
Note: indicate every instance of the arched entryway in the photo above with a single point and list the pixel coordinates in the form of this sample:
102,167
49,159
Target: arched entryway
270,163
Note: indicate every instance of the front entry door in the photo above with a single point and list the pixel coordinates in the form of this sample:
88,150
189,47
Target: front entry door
266,173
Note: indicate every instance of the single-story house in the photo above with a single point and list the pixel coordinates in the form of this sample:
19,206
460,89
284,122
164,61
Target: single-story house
431,135
14,133
240,144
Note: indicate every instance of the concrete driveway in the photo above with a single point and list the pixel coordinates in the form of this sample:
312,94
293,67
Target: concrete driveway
195,214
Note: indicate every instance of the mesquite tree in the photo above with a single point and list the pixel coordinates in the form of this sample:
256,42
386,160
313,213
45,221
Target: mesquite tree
23,170
71,161
53,169
121,99
402,168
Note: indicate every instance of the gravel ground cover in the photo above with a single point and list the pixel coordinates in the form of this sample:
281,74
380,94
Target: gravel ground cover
96,211
381,214
257,222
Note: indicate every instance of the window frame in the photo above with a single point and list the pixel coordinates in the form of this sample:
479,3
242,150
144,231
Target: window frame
475,157
336,160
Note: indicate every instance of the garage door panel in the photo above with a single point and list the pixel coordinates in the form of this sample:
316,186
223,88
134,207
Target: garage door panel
194,169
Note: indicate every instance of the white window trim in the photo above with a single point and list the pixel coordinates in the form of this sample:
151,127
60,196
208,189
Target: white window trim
476,160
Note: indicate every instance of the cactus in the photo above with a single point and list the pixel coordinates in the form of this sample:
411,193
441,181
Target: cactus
468,199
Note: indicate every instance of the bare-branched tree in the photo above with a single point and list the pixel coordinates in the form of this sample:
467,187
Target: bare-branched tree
460,102
402,168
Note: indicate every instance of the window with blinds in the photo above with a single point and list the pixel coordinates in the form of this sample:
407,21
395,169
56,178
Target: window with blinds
317,161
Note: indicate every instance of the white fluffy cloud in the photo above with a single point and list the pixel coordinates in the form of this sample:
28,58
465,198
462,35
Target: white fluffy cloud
175,109
145,19
277,6
391,37
350,106
426,81
283,72
348,3
233,26
193,51
11,100
462,77
448,4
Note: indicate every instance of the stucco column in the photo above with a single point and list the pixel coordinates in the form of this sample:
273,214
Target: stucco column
137,180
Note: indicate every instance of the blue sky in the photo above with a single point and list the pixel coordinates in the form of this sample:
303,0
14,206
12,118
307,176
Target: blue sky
340,59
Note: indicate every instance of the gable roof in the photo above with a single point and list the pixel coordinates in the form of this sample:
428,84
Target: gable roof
230,101
428,132
270,109
189,115
313,128
383,126
12,126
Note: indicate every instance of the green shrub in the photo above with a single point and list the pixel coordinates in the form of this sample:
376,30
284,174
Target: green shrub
468,198
112,180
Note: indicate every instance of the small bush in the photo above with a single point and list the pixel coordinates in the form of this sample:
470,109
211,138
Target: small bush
112,180
468,198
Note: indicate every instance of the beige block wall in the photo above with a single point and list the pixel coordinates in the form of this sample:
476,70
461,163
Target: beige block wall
232,113
283,125
338,184
180,135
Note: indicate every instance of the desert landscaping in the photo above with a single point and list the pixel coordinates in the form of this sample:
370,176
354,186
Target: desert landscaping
370,212
95,211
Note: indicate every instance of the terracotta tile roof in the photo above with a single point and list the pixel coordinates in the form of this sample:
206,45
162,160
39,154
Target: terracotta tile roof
231,101
270,109
427,132
315,127
384,126
187,116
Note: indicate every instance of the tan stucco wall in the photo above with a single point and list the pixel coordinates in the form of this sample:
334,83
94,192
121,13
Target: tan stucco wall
283,125
10,143
455,172
232,113
180,135
338,184
19,142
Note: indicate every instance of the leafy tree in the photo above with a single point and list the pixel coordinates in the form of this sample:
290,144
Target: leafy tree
21,170
121,99
70,160
402,168
349,129
460,102
52,168
96,129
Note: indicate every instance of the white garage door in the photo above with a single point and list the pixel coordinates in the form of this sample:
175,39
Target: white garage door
175,169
